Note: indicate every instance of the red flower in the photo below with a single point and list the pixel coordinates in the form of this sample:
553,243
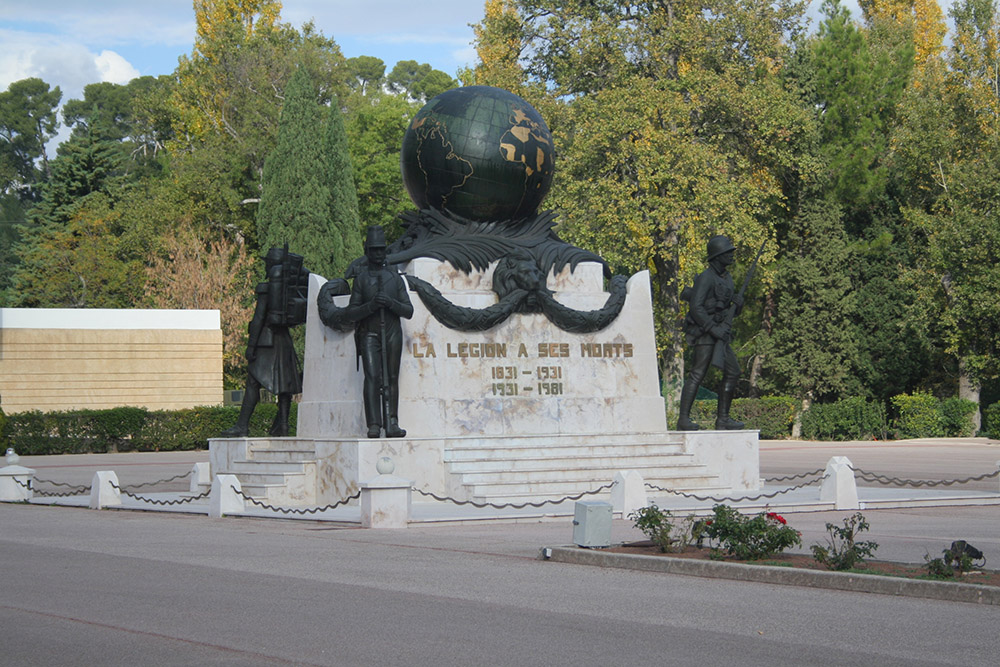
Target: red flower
777,517
708,523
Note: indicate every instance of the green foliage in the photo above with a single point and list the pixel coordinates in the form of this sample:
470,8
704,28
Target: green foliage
810,346
418,80
843,551
991,420
295,203
851,418
749,538
344,218
918,416
957,417
773,416
951,564
27,121
128,429
659,526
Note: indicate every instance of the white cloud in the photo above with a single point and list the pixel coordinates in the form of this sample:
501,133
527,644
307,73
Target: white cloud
114,68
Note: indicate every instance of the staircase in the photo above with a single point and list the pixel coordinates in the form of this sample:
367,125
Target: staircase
277,471
522,469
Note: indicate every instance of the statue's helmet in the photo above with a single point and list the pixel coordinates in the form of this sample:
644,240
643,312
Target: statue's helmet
718,245
376,237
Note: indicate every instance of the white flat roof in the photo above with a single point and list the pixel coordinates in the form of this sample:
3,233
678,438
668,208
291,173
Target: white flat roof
107,318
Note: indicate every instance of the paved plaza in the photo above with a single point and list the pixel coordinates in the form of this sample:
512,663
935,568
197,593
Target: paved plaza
85,587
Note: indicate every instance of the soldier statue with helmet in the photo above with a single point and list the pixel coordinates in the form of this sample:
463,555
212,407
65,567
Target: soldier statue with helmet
712,305
271,359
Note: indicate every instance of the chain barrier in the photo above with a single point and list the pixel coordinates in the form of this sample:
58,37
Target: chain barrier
79,490
517,506
159,481
897,481
295,510
740,498
157,501
788,478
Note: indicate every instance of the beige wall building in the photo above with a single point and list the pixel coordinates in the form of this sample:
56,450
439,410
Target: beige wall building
65,359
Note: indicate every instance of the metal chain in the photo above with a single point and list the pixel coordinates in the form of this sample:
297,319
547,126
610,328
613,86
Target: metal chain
160,481
788,478
53,494
897,481
513,505
156,501
719,500
295,510
80,488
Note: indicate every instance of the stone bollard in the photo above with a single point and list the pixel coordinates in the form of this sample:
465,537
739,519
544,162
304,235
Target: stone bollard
201,477
385,500
629,492
839,485
15,483
225,496
103,491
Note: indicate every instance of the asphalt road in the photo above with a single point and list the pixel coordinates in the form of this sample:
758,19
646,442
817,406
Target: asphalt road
82,587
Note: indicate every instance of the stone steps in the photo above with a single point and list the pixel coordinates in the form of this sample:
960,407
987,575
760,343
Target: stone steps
461,454
559,461
518,492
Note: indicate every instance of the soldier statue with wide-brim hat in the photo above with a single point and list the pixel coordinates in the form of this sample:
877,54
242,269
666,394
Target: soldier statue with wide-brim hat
713,303
378,301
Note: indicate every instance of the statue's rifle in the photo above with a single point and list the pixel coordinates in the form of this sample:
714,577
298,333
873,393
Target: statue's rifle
719,351
384,384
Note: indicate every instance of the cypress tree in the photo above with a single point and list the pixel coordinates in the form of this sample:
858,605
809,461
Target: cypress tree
343,202
294,205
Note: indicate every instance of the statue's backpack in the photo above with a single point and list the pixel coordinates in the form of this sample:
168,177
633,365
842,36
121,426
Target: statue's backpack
288,291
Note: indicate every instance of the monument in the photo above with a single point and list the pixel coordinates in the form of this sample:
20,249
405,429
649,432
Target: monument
527,370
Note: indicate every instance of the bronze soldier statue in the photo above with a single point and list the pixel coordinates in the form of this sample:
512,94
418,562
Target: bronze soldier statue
271,360
378,300
713,304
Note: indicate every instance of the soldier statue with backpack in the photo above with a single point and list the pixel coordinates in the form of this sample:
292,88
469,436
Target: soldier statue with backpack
271,360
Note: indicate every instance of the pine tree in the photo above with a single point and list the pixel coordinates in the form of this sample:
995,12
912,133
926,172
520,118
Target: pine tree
811,344
294,206
343,194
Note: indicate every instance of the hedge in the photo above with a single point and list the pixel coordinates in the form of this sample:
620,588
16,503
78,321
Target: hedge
128,429
851,418
773,416
991,421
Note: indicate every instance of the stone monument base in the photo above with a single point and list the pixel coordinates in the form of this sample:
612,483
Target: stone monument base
514,469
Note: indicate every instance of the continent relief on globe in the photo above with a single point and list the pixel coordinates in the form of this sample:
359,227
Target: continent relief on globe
480,153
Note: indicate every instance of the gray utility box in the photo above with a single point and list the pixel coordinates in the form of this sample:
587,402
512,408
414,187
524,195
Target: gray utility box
592,523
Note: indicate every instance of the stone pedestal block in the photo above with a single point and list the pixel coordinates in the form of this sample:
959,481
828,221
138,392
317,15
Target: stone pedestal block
839,485
104,490
385,502
628,493
224,497
14,483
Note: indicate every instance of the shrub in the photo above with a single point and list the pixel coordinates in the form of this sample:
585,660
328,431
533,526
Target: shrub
749,538
129,428
658,525
843,551
851,418
919,415
773,416
991,420
957,417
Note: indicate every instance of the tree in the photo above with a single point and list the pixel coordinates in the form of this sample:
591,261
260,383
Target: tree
227,102
418,80
27,121
375,126
367,72
295,204
188,271
343,211
811,346
672,124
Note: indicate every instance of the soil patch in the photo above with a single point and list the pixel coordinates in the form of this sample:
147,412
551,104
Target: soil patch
807,562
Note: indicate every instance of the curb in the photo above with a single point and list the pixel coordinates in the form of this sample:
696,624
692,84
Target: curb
769,574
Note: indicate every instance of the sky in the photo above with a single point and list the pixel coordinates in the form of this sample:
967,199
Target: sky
70,43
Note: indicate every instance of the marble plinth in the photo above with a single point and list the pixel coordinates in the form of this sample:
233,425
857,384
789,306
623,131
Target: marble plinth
524,376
